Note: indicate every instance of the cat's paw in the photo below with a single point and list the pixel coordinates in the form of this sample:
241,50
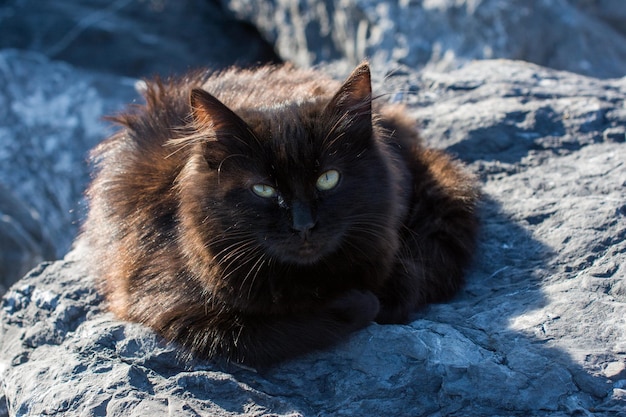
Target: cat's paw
392,314
358,308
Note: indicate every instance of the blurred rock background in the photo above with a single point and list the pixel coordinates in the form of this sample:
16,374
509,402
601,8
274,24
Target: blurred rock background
583,36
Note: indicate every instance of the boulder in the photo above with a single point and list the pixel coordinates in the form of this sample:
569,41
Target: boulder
132,38
538,329
50,116
22,242
444,33
612,12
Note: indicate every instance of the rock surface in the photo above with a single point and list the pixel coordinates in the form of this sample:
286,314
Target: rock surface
23,244
538,330
612,12
50,116
445,33
131,37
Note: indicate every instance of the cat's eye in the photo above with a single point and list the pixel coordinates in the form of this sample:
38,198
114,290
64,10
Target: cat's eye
328,180
264,190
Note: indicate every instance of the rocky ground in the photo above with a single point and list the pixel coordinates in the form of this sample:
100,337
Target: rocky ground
540,328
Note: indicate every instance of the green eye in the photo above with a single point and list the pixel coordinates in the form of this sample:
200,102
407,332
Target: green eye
264,190
328,180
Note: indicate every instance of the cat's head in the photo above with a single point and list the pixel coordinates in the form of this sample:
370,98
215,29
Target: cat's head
297,182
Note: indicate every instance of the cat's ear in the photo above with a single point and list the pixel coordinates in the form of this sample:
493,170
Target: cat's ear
351,107
212,115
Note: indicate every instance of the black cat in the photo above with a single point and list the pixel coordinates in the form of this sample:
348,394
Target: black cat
273,217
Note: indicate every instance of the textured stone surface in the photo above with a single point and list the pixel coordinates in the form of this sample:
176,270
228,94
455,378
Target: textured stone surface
444,33
131,37
611,11
538,330
50,116
21,239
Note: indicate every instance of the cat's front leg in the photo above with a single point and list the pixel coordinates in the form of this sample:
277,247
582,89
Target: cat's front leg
409,287
397,299
261,340
420,280
265,340
355,308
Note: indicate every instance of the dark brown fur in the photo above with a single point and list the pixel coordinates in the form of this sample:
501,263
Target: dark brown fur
182,244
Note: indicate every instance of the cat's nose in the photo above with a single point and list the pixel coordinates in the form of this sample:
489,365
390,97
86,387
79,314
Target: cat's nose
303,220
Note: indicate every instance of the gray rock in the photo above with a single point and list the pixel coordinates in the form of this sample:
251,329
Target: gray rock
441,34
538,330
50,116
22,242
611,11
130,37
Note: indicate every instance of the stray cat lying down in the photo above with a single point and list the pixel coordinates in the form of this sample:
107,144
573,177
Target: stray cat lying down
255,215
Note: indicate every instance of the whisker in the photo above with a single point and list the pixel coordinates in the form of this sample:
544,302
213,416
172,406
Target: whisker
237,268
370,232
236,243
236,253
256,268
355,247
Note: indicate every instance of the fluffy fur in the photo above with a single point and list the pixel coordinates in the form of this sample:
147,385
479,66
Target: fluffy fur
258,214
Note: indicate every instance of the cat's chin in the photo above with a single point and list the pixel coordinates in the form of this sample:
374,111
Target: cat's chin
307,255
304,254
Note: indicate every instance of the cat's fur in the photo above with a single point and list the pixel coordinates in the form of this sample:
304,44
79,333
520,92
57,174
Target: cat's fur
183,244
